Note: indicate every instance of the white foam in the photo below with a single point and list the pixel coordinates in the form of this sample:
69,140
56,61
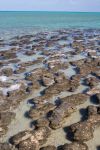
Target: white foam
11,88
3,78
14,87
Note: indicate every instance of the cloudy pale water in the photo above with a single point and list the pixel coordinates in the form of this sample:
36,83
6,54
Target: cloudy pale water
16,22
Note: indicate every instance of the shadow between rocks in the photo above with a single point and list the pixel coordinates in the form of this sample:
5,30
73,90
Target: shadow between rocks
69,133
98,147
60,147
58,101
94,99
84,114
31,101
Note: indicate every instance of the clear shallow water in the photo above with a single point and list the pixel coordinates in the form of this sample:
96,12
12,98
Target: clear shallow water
21,22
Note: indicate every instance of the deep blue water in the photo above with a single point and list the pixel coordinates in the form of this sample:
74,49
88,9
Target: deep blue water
30,21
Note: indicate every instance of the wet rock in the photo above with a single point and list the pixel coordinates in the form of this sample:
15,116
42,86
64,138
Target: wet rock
40,112
7,71
97,74
29,53
17,92
36,74
6,146
83,131
92,82
49,147
76,99
14,61
30,63
88,67
75,146
4,105
98,97
78,45
41,134
56,65
3,130
20,70
38,138
92,110
42,122
65,85
91,53
59,77
21,136
41,100
76,77
9,55
93,91
78,62
47,79
29,144
60,113
6,118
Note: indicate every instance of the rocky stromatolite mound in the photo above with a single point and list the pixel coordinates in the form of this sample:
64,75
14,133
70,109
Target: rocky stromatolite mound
98,97
65,85
27,140
40,112
75,99
5,120
47,79
6,146
75,146
83,131
49,147
92,81
60,113
7,72
42,122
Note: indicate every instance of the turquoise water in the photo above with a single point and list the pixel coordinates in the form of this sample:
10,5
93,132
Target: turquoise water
28,21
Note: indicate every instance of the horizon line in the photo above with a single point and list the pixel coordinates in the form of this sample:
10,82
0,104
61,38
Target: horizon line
49,11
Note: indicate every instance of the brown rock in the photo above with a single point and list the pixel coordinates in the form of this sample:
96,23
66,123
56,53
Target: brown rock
6,146
76,99
21,136
75,146
60,113
49,147
40,112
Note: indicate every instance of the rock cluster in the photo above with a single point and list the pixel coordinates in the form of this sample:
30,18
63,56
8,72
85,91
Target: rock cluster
40,63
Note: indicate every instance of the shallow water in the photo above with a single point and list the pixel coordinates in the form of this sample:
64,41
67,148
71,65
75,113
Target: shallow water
15,23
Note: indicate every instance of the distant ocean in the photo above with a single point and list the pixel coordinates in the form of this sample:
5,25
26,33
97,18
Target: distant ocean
14,22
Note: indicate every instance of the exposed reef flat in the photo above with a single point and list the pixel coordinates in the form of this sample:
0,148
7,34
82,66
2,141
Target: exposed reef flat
50,91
